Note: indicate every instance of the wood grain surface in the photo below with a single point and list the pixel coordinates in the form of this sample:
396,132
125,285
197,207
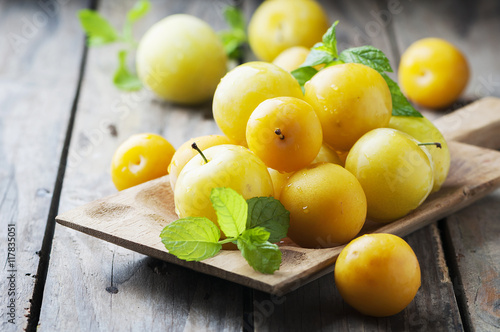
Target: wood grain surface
37,89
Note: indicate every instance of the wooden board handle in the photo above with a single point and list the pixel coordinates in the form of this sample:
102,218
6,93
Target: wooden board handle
476,124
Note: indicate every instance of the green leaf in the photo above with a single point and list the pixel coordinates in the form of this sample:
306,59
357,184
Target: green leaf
400,105
192,238
140,9
330,40
234,17
260,254
333,63
231,209
270,214
123,78
303,74
97,28
235,37
367,55
231,41
137,12
317,57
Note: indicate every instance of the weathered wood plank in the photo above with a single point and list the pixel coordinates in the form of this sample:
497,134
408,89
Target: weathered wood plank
477,123
93,285
473,232
472,235
41,49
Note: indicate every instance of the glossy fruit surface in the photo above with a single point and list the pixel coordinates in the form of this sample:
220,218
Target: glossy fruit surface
350,100
377,274
140,158
185,152
424,131
181,59
280,24
279,180
433,72
243,89
285,133
291,58
327,206
230,166
327,155
396,174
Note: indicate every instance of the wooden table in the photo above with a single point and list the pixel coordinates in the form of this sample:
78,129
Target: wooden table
61,119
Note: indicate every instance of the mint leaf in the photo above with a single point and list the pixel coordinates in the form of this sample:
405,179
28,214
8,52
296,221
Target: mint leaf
137,12
192,238
231,209
232,41
270,214
123,78
330,40
234,17
367,55
260,254
140,9
317,57
325,52
400,105
234,38
303,74
97,28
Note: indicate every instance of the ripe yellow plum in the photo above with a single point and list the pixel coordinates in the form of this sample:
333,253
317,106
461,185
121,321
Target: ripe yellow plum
285,133
231,166
280,24
140,158
396,174
291,58
327,206
181,59
377,274
350,100
327,155
433,72
243,89
279,180
185,152
424,131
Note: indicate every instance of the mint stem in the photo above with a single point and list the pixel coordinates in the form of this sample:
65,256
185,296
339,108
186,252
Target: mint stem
228,240
195,146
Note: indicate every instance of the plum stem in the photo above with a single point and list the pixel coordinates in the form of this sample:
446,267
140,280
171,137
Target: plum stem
195,146
437,144
279,133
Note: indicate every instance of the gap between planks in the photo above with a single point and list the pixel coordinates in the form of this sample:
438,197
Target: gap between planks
454,274
43,264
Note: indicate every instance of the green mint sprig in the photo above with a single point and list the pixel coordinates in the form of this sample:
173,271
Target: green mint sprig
101,32
253,225
233,38
326,53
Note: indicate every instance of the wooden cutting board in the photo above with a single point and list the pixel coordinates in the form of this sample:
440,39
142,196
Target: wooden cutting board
134,218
